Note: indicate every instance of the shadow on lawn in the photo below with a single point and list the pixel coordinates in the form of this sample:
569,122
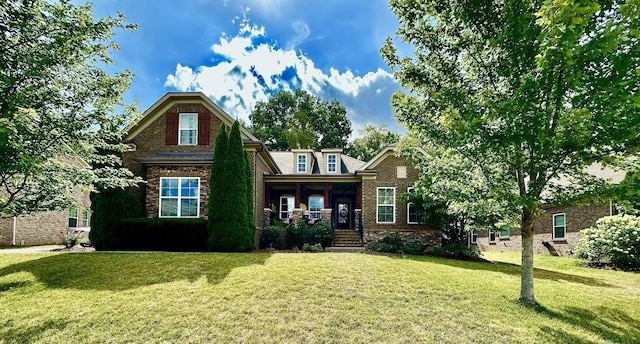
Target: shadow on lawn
514,269
609,324
29,334
121,271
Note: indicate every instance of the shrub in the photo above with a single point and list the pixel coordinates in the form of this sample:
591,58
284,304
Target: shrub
415,249
455,250
296,234
320,234
68,240
614,239
161,234
276,237
312,248
108,207
392,243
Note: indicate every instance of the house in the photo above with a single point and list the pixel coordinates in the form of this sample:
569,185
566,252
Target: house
556,230
172,148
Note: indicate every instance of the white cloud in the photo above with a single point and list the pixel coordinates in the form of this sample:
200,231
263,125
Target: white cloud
301,30
233,86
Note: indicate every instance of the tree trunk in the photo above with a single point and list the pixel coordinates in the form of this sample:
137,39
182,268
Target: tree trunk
526,272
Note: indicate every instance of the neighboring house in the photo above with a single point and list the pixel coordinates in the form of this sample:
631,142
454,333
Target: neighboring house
47,227
172,148
557,229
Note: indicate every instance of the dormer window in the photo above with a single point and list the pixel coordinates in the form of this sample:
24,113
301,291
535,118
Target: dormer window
188,129
302,163
332,163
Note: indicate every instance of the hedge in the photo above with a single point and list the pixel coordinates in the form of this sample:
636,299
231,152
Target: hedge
145,234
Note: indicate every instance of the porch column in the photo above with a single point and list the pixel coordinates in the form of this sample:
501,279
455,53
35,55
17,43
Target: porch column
359,196
297,202
327,187
267,195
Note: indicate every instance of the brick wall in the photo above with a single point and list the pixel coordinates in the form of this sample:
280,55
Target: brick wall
577,218
387,177
154,173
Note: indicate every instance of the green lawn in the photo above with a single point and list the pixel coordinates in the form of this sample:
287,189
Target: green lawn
308,298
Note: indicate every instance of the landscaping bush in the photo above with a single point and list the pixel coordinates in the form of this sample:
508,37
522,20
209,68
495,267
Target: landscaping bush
614,239
312,248
108,207
455,250
296,234
392,243
320,233
69,240
276,237
161,234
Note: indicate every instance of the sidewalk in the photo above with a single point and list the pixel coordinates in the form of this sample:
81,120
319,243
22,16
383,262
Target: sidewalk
31,249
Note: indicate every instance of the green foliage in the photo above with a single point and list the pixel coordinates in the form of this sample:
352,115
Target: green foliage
300,120
296,234
108,207
320,233
312,248
231,229
507,91
69,240
628,193
217,188
614,239
371,141
455,250
392,243
276,237
58,104
154,234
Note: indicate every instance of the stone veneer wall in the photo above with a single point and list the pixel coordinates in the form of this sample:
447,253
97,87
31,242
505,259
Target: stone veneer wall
387,177
577,218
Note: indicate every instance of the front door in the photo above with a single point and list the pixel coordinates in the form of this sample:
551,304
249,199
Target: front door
344,215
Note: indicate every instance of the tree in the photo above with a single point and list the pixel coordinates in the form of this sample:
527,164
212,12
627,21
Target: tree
57,103
217,195
235,231
299,120
372,141
526,92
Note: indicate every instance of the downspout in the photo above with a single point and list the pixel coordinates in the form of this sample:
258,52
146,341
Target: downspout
15,220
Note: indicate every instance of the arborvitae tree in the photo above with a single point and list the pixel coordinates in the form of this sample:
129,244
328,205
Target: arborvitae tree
217,195
108,207
251,225
231,233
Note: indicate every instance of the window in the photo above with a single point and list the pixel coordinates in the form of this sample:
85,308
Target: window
504,232
492,236
386,205
73,217
302,163
332,163
85,218
188,129
316,203
474,236
179,197
414,213
559,226
286,206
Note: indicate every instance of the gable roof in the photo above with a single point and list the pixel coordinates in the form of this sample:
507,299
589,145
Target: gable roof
171,98
386,151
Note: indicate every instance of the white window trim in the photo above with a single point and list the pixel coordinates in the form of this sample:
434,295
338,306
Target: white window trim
334,163
179,198
77,217
180,129
298,163
553,227
409,189
393,205
473,236
316,214
290,206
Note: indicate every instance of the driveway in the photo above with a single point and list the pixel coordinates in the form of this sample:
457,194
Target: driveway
32,249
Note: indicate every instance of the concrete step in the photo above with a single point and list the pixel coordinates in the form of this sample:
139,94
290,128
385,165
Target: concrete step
358,249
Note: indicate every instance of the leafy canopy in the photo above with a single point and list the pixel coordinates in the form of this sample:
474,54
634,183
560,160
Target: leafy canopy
297,119
373,139
58,104
523,92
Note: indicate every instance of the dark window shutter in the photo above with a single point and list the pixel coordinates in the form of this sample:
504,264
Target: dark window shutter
172,128
204,128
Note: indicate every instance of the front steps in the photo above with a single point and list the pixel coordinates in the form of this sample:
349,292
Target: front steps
347,238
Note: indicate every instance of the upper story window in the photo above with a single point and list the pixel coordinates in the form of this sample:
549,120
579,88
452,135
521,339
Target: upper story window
559,226
73,217
332,163
286,206
386,205
188,129
302,163
473,236
179,197
504,232
492,237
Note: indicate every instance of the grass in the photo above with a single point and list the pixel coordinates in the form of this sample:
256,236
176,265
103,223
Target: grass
308,298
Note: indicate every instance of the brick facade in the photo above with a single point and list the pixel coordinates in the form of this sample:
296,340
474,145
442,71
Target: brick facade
388,176
577,218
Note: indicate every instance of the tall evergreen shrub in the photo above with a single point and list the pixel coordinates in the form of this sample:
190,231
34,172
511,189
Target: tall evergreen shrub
108,207
217,192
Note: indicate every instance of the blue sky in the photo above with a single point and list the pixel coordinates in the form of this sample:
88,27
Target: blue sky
238,52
